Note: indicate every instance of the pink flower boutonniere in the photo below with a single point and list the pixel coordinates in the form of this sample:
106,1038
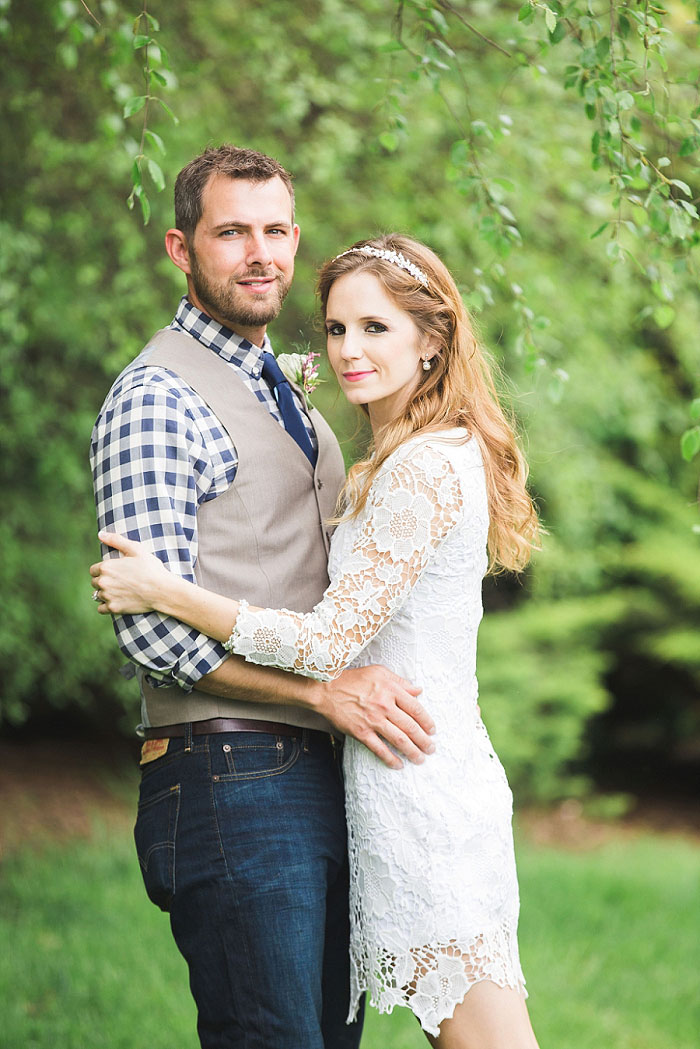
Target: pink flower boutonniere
301,369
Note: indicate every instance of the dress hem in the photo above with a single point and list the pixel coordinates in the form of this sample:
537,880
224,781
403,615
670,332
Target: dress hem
388,1008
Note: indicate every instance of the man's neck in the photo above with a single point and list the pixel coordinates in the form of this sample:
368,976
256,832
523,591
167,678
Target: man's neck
254,335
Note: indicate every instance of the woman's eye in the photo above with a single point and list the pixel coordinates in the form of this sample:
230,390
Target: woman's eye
335,329
375,328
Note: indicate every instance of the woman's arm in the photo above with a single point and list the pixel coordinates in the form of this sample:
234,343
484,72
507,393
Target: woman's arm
413,505
139,582
412,508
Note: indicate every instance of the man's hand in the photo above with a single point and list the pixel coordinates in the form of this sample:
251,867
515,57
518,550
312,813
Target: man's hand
378,707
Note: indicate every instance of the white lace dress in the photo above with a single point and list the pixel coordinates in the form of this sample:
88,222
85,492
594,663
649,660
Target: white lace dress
434,894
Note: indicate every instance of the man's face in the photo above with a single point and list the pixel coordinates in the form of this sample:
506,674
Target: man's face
241,257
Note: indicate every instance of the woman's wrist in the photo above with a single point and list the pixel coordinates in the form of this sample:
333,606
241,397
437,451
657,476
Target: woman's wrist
169,595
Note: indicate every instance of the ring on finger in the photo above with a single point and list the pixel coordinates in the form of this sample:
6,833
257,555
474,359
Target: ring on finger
96,595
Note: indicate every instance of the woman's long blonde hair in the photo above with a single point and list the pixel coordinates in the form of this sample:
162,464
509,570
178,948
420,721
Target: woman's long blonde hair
457,391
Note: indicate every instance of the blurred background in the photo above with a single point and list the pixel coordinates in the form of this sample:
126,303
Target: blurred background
471,126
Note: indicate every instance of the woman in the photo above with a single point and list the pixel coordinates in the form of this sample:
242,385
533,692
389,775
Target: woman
434,898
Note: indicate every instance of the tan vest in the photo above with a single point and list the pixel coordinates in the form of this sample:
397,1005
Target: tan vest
264,538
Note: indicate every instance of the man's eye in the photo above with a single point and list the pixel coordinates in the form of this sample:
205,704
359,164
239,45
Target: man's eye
229,233
335,329
375,328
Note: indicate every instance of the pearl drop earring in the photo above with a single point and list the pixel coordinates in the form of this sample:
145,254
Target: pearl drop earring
426,364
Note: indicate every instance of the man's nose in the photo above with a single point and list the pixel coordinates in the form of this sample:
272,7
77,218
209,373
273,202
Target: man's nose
257,250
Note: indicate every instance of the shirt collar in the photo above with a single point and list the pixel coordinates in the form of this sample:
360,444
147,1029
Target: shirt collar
217,337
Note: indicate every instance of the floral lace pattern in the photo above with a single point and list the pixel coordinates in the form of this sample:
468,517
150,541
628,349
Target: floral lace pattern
412,506
433,887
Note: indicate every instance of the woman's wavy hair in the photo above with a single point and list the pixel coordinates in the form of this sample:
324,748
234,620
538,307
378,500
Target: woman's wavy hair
458,390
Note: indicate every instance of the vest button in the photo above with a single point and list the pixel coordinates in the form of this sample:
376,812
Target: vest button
319,484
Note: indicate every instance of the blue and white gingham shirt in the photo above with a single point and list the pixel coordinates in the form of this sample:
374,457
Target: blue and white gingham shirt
157,453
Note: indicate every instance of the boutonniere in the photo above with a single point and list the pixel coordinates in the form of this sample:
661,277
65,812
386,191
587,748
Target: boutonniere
301,369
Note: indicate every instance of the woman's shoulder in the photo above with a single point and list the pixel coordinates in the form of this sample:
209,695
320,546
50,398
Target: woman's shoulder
455,446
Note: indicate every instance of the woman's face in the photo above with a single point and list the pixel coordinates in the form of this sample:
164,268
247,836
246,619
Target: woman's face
374,347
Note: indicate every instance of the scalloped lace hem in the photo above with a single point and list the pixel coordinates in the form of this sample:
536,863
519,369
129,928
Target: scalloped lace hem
432,981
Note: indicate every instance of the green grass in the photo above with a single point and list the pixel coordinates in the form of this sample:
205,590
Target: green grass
609,941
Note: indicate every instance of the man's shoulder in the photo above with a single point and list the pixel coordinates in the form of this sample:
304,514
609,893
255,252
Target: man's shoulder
145,377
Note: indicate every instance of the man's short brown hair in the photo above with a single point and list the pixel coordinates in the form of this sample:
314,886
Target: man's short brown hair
226,160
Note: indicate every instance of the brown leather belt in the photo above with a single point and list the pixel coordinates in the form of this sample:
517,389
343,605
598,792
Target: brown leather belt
204,728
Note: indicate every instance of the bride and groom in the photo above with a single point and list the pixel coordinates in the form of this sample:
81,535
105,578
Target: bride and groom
207,455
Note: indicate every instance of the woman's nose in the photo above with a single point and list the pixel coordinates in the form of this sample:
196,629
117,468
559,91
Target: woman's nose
351,347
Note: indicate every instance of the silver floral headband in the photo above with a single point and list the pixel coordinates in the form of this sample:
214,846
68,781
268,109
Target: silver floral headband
390,256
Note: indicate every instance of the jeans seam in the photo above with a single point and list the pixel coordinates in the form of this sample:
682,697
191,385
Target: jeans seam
241,777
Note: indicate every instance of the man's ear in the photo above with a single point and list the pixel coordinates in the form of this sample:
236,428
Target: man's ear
177,249
295,235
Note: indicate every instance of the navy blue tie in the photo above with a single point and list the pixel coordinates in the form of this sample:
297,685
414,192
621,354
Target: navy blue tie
286,402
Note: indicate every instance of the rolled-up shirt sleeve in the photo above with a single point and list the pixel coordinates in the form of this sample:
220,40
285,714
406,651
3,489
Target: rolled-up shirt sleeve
152,467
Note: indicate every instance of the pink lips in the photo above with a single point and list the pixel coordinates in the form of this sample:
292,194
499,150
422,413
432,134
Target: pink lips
355,376
257,284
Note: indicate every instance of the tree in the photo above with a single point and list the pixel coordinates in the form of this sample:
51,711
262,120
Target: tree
600,347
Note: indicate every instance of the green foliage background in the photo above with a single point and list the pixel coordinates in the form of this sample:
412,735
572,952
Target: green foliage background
599,646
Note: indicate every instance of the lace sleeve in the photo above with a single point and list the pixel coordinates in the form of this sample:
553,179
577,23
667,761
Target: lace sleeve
412,506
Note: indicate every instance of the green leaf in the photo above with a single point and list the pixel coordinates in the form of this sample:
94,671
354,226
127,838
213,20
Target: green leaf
156,140
599,230
550,19
389,47
683,186
663,162
168,110
156,173
439,20
664,316
134,105
145,207
690,443
525,12
443,47
158,77
690,208
142,41
389,141
680,224
558,34
695,409
688,146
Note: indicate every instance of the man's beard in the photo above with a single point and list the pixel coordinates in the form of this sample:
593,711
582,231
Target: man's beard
225,301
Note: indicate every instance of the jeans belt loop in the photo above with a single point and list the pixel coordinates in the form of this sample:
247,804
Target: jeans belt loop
188,736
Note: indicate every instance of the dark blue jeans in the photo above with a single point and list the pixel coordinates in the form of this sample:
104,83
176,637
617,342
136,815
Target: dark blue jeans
241,837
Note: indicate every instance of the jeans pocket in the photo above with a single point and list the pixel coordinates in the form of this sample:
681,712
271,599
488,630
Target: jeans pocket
154,834
257,757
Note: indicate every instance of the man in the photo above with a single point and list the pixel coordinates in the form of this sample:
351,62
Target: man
205,451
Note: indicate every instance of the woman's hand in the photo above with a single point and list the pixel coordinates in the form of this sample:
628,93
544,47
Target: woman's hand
135,582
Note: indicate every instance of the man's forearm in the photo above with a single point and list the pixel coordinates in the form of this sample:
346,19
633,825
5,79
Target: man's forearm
236,679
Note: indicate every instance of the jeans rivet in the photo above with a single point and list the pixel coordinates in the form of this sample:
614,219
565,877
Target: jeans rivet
227,747
279,744
215,778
